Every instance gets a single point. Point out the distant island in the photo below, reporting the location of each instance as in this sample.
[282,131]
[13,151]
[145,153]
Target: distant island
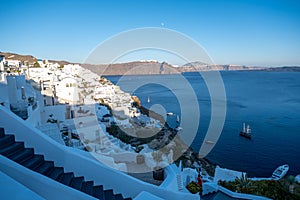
[151,67]
[283,69]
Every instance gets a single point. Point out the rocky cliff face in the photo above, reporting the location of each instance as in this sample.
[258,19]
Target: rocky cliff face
[152,67]
[133,68]
[199,66]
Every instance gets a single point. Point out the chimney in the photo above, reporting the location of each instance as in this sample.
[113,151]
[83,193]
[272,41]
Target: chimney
[23,93]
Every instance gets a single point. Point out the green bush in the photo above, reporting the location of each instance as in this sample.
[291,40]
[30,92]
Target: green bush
[267,188]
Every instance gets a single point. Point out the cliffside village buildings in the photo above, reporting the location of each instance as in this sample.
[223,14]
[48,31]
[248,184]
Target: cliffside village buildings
[74,107]
[68,96]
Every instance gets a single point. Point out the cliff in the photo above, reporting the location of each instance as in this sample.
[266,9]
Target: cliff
[151,67]
[133,68]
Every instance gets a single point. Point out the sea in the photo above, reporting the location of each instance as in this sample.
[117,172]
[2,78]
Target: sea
[268,101]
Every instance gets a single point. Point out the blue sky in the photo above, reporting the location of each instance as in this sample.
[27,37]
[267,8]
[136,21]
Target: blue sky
[249,32]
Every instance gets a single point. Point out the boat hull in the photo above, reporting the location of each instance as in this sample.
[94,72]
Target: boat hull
[280,172]
[246,135]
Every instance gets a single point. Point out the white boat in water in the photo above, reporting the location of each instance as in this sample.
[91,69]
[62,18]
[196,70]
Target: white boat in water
[170,113]
[246,132]
[178,128]
[280,172]
[209,142]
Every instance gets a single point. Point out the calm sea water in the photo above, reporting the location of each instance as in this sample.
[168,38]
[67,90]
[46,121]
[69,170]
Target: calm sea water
[268,101]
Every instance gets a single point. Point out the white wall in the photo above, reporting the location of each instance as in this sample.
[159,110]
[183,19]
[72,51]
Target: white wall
[1,66]
[58,111]
[34,117]
[241,195]
[170,181]
[11,189]
[12,89]
[226,174]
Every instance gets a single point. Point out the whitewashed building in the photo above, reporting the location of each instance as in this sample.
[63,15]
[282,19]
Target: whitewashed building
[67,90]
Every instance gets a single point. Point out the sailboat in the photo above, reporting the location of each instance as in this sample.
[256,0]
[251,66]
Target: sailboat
[246,132]
[148,100]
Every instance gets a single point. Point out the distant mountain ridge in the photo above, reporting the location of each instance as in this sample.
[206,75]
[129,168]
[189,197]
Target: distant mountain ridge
[23,58]
[283,69]
[28,58]
[148,67]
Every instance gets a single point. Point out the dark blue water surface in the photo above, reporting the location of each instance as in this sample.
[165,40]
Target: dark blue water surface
[268,101]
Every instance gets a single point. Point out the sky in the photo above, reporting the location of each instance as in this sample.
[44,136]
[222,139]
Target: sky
[243,32]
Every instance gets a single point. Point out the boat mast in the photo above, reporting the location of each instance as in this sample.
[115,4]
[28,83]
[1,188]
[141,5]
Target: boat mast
[244,127]
[248,129]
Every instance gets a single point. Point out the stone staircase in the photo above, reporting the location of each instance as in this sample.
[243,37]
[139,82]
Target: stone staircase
[26,157]
[210,196]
